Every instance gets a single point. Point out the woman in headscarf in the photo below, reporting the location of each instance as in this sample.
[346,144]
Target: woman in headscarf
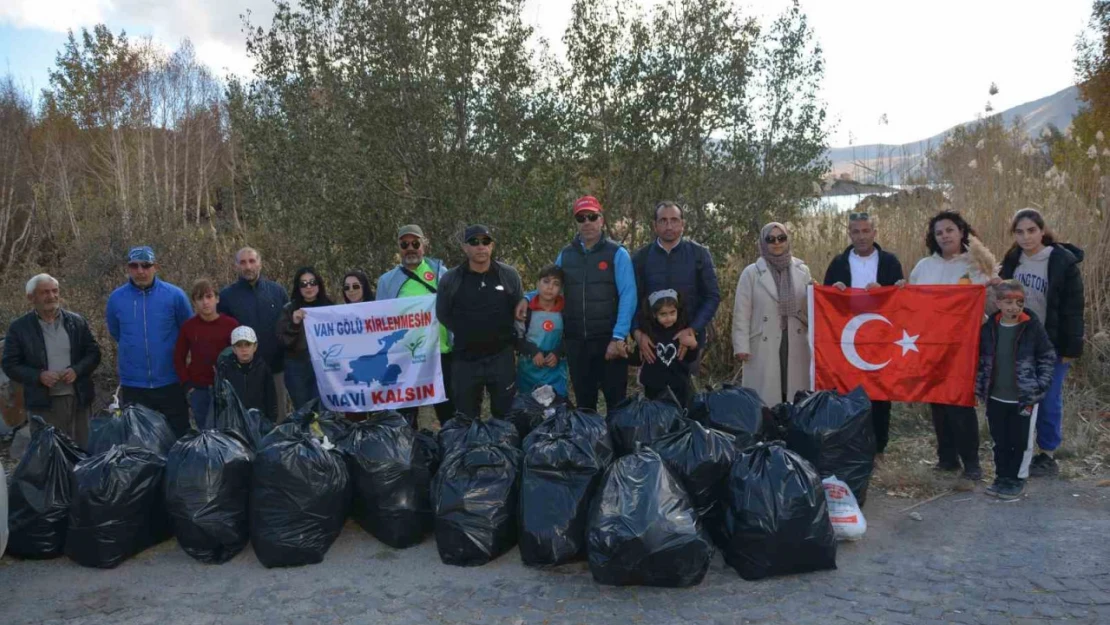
[769,319]
[308,291]
[356,288]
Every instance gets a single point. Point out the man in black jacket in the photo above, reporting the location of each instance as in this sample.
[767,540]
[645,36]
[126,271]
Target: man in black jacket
[864,265]
[256,302]
[52,353]
[476,301]
[674,262]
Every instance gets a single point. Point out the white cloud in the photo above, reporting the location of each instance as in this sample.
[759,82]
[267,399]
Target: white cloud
[53,15]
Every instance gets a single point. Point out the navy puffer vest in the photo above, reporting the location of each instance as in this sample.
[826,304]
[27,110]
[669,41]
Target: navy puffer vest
[590,290]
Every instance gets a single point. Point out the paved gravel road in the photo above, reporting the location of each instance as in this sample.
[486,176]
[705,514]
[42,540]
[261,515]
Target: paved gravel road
[970,559]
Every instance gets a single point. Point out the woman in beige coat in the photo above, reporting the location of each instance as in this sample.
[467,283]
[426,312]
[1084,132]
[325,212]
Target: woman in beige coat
[769,319]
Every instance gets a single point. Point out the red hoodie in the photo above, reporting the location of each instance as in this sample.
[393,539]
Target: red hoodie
[202,341]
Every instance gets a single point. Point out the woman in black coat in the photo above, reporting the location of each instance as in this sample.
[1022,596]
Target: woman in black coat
[1049,271]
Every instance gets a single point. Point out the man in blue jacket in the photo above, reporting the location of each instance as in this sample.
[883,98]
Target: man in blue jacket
[256,302]
[600,300]
[673,262]
[418,275]
[144,317]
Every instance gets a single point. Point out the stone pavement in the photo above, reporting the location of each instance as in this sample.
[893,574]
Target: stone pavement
[971,559]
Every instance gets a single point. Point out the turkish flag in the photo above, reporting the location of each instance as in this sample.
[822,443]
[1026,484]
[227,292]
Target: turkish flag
[912,344]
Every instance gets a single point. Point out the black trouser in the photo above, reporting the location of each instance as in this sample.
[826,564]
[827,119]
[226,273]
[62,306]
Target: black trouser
[494,374]
[444,409]
[683,391]
[957,429]
[880,420]
[168,400]
[1013,435]
[590,371]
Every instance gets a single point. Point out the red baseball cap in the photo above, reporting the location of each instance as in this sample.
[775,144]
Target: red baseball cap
[587,203]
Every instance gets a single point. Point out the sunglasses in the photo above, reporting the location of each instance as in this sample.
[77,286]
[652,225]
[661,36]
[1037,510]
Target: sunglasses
[591,217]
[413,244]
[775,239]
[308,283]
[858,216]
[138,265]
[475,242]
[352,287]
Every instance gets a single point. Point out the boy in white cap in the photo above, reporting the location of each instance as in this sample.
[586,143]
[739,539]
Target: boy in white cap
[249,376]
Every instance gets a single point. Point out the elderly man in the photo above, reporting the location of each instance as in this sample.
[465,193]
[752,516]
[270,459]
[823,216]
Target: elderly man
[419,275]
[864,265]
[144,317]
[256,302]
[674,262]
[476,302]
[600,295]
[52,353]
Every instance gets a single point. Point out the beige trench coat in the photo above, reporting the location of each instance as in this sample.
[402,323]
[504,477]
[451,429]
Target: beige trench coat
[757,330]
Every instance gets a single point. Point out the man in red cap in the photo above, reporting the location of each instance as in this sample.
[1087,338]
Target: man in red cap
[600,296]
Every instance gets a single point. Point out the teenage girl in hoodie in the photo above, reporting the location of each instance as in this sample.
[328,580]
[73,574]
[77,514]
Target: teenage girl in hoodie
[1049,271]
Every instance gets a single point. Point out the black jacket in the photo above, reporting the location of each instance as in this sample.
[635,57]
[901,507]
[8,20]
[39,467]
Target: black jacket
[25,358]
[1064,310]
[291,335]
[253,382]
[840,270]
[449,287]
[258,306]
[1035,360]
[688,269]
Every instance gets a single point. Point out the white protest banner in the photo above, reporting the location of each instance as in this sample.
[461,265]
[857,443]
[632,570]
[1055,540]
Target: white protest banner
[376,355]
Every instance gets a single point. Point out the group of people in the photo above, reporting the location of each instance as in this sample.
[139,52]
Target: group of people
[573,331]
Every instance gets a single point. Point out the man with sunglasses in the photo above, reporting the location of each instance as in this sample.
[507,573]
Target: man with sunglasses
[257,303]
[476,301]
[144,317]
[865,265]
[418,275]
[674,262]
[600,296]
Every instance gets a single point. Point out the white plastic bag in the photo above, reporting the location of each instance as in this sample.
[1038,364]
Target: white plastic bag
[847,519]
[3,511]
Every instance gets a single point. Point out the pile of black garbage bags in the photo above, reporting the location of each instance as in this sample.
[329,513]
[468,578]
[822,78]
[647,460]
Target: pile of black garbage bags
[645,494]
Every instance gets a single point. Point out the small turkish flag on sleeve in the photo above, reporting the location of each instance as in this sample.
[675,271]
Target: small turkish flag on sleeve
[912,344]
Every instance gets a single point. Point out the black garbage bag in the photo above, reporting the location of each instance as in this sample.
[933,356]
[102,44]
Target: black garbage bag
[300,491]
[476,495]
[118,506]
[462,427]
[643,527]
[526,413]
[733,409]
[775,518]
[250,426]
[427,446]
[392,479]
[134,425]
[834,433]
[777,426]
[641,420]
[332,424]
[700,458]
[564,460]
[207,488]
[40,493]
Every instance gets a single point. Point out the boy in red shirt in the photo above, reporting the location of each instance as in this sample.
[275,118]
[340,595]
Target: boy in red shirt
[202,338]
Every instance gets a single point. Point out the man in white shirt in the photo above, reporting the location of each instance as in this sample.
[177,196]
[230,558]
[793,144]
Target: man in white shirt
[865,265]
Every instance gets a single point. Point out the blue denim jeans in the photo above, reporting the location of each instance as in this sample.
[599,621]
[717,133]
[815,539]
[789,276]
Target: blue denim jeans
[200,401]
[1050,416]
[300,381]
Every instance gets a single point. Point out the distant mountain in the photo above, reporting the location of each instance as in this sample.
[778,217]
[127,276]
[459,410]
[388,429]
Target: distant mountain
[895,162]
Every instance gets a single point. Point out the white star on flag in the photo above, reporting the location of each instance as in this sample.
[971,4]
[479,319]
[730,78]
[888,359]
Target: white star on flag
[908,343]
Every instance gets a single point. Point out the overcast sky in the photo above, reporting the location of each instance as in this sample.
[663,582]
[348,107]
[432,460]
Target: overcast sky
[926,66]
